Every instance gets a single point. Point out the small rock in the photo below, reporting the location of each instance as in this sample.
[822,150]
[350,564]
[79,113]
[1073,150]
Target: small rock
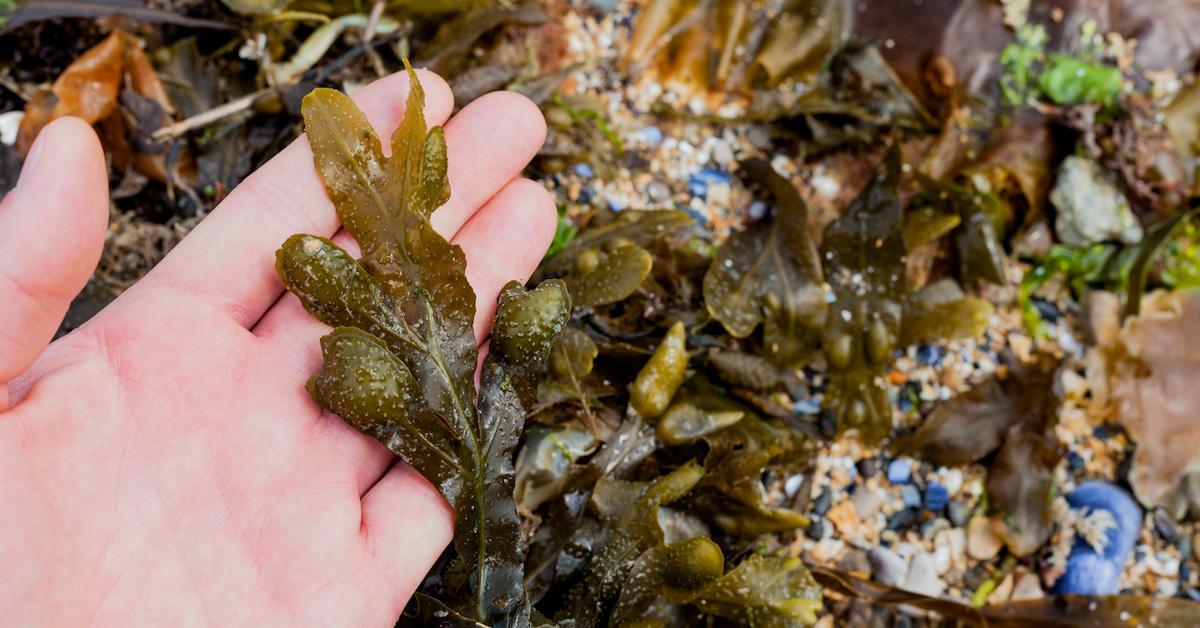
[1046,310]
[792,485]
[958,512]
[899,471]
[1101,316]
[942,558]
[1089,572]
[854,560]
[1196,545]
[821,504]
[910,495]
[1075,462]
[867,502]
[930,528]
[886,567]
[923,577]
[952,479]
[1026,586]
[904,519]
[815,529]
[807,406]
[583,170]
[867,467]
[845,519]
[929,355]
[1165,527]
[759,136]
[983,539]
[1034,241]
[700,181]
[1091,209]
[1000,594]
[936,497]
[722,153]
[952,541]
[651,135]
[826,550]
[1074,386]
[658,191]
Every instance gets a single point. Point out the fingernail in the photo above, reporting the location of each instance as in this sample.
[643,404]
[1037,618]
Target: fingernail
[31,159]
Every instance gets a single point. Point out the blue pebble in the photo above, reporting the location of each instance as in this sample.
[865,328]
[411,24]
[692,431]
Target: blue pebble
[587,194]
[1090,573]
[1075,461]
[910,495]
[700,180]
[583,170]
[807,406]
[936,497]
[929,355]
[899,471]
[615,204]
[652,135]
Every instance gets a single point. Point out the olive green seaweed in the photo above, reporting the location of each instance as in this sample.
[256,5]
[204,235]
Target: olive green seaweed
[400,364]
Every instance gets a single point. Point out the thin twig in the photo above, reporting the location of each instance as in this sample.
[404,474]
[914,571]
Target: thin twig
[316,75]
[205,118]
[372,23]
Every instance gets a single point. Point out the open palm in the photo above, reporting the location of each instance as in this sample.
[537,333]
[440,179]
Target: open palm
[163,464]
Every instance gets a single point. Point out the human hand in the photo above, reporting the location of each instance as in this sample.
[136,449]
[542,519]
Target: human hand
[163,464]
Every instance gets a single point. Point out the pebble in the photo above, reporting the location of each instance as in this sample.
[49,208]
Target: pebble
[923,577]
[1165,527]
[792,485]
[759,136]
[1000,594]
[1026,586]
[1046,310]
[930,528]
[699,182]
[953,539]
[867,502]
[815,529]
[910,495]
[958,513]
[722,153]
[658,191]
[854,560]
[936,497]
[899,471]
[821,504]
[952,479]
[583,170]
[1196,545]
[845,519]
[886,567]
[983,540]
[651,135]
[807,406]
[929,355]
[867,467]
[1089,572]
[904,519]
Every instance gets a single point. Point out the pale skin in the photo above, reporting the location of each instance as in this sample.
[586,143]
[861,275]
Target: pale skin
[163,464]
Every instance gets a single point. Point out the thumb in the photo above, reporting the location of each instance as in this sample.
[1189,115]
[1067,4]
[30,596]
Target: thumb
[51,234]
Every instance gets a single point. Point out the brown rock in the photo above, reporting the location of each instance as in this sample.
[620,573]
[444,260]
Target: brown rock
[845,518]
[983,539]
